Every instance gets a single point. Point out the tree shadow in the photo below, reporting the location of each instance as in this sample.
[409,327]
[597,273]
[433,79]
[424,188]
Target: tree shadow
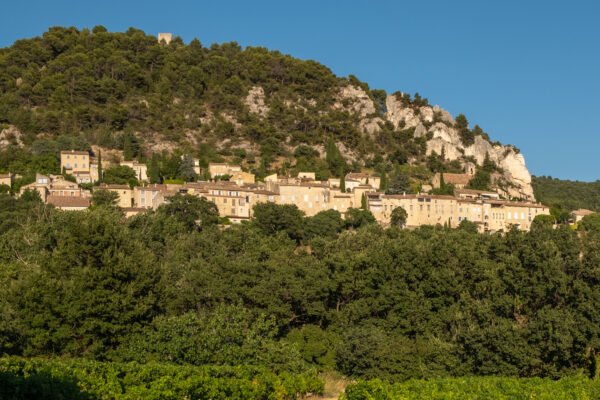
[40,386]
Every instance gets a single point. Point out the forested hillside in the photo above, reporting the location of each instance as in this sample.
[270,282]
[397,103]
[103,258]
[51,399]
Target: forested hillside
[570,195]
[265,110]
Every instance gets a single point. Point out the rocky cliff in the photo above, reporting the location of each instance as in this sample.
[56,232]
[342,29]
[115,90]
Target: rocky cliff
[437,125]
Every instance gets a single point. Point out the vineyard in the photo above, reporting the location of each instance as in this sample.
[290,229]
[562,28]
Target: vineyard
[84,379]
[476,388]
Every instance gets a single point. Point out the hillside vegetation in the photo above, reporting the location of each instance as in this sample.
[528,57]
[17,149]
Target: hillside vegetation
[566,194]
[73,89]
[293,294]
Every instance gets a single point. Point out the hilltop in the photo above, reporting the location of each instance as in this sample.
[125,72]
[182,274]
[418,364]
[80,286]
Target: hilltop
[260,108]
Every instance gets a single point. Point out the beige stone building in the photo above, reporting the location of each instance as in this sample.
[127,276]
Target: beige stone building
[148,197]
[476,194]
[306,175]
[580,213]
[167,37]
[139,168]
[364,179]
[68,203]
[6,179]
[489,215]
[308,197]
[242,178]
[125,193]
[75,161]
[220,169]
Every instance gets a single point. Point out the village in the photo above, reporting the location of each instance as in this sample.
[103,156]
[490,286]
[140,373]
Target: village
[235,192]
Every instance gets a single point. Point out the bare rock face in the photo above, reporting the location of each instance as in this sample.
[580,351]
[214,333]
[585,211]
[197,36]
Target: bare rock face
[256,101]
[512,163]
[10,135]
[396,112]
[355,100]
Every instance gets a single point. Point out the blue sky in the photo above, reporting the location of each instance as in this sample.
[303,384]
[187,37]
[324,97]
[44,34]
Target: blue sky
[526,71]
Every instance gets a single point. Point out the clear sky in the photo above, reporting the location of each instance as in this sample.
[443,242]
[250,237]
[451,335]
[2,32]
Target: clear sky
[526,71]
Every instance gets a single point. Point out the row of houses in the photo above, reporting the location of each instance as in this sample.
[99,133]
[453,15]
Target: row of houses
[235,197]
[486,209]
[84,167]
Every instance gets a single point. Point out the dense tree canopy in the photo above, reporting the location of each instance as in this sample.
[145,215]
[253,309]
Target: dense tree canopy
[368,302]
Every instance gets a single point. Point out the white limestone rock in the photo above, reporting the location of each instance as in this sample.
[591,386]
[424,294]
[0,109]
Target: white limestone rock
[355,100]
[256,101]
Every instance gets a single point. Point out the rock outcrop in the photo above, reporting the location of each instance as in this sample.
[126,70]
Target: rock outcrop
[256,101]
[437,124]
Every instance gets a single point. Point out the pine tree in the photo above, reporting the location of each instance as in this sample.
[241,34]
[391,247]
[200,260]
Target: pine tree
[363,202]
[383,182]
[99,166]
[154,169]
[343,183]
[127,148]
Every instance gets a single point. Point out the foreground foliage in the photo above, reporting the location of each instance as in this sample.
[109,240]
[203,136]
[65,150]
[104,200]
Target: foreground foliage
[85,379]
[482,388]
[282,293]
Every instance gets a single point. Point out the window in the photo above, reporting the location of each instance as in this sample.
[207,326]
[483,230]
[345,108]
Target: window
[411,208]
[83,165]
[224,201]
[420,207]
[508,215]
[68,165]
[233,211]
[83,158]
[68,156]
[282,197]
[306,197]
[293,198]
[522,216]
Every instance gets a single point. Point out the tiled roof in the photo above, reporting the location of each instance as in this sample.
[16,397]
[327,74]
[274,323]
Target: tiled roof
[84,153]
[455,179]
[68,201]
[583,212]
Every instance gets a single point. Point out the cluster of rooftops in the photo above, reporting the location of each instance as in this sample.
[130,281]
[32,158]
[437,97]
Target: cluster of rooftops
[235,197]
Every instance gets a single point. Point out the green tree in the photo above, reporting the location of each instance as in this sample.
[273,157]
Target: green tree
[355,218]
[590,222]
[323,224]
[193,212]
[399,183]
[480,181]
[120,175]
[342,183]
[154,169]
[383,181]
[186,169]
[100,172]
[363,202]
[104,197]
[398,217]
[271,218]
[462,126]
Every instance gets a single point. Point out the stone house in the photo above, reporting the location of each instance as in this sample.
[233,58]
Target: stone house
[580,213]
[73,161]
[364,179]
[125,193]
[6,179]
[141,170]
[220,169]
[68,203]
